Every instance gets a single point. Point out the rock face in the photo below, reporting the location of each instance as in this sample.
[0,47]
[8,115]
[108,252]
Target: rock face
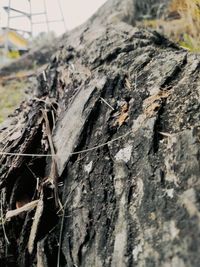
[113,133]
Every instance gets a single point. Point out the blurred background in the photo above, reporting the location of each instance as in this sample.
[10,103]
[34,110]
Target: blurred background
[75,12]
[23,22]
[27,25]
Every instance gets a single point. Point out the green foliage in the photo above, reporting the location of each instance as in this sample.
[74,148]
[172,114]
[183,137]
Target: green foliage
[189,43]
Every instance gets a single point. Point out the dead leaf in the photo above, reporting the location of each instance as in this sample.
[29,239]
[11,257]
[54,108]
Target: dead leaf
[161,95]
[152,108]
[153,103]
[122,118]
[123,115]
[124,108]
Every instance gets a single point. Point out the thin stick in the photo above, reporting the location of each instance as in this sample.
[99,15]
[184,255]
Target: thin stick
[107,103]
[166,134]
[27,207]
[73,153]
[3,227]
[26,155]
[62,223]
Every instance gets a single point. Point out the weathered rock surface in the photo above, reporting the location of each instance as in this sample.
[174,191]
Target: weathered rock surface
[121,107]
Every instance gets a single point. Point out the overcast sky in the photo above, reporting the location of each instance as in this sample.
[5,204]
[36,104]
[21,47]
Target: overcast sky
[75,12]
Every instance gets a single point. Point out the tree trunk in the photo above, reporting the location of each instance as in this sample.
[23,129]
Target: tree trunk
[101,167]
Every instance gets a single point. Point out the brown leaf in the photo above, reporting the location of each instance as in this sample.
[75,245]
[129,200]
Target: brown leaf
[122,118]
[153,103]
[124,108]
[123,115]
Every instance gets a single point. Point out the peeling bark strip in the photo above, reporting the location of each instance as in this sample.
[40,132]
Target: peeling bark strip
[67,134]
[131,202]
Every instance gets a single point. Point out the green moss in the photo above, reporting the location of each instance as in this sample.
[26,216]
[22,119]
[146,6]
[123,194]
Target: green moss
[189,43]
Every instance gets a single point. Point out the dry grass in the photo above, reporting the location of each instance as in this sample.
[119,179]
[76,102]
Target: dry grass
[181,24]
[189,12]
[11,93]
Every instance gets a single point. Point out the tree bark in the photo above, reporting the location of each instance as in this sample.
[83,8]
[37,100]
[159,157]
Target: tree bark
[106,153]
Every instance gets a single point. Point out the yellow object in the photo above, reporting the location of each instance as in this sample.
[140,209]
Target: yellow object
[13,54]
[15,40]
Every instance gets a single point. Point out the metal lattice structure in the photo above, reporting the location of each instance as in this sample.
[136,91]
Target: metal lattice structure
[14,14]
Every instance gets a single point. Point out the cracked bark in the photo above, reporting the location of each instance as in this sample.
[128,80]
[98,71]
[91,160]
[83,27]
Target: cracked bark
[130,198]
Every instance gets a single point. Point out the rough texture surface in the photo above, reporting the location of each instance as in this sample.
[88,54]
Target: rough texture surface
[121,107]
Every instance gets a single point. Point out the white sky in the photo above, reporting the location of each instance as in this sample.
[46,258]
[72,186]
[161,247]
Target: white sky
[75,12]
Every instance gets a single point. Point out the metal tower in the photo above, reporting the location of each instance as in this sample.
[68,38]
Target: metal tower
[14,14]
